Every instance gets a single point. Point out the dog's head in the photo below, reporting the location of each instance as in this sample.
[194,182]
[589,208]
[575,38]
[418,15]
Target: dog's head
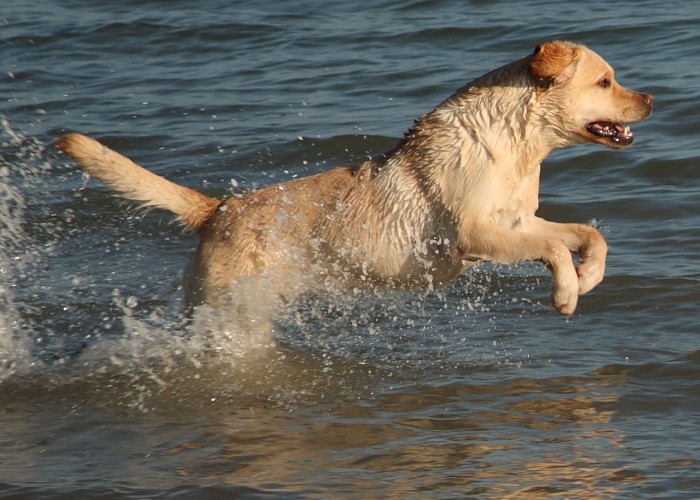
[577,81]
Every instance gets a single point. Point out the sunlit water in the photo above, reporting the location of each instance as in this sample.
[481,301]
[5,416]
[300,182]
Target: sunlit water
[480,389]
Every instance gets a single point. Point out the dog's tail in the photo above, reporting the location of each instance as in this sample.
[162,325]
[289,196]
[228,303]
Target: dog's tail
[138,184]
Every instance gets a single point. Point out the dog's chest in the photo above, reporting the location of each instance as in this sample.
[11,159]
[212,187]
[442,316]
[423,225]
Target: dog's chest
[518,197]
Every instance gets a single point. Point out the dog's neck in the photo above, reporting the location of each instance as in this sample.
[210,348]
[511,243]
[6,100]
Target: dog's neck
[485,133]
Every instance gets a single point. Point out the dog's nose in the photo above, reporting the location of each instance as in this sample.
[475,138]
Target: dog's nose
[648,99]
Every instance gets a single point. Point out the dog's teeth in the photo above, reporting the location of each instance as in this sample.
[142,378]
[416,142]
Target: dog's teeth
[627,130]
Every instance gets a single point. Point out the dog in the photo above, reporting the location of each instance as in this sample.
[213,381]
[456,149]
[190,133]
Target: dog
[461,186]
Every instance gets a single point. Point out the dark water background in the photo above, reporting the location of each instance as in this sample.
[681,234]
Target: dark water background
[477,390]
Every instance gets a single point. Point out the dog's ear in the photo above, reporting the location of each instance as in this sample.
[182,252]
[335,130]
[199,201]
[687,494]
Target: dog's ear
[553,63]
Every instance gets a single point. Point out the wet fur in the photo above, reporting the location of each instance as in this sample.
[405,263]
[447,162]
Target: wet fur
[462,186]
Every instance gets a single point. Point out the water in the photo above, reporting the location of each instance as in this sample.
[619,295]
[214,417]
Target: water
[480,389]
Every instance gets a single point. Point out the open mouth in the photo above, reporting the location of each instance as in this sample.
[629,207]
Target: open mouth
[619,135]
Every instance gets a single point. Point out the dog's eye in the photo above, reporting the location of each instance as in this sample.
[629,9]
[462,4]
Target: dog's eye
[605,83]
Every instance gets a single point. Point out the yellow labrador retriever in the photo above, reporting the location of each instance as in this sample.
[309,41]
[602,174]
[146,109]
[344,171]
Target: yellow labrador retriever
[462,186]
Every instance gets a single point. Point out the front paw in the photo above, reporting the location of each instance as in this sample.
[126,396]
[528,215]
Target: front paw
[590,274]
[565,292]
[565,287]
[591,270]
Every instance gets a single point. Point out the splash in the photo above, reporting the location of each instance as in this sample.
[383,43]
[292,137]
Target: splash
[114,344]
[20,163]
[58,330]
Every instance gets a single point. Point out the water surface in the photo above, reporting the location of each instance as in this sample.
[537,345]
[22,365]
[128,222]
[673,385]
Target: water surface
[480,389]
